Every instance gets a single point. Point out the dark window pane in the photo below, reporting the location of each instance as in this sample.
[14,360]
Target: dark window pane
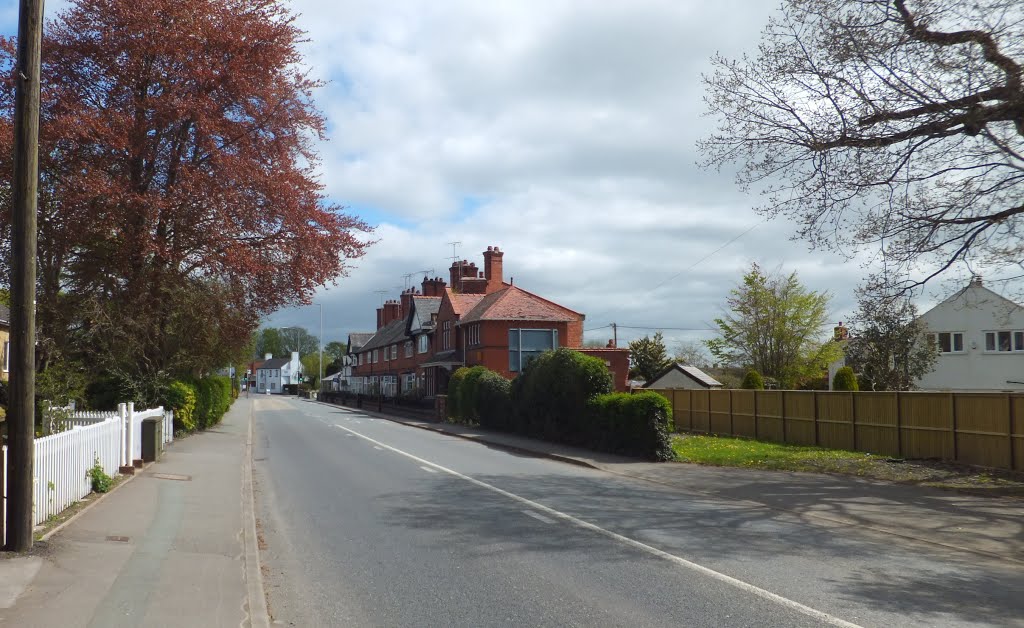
[990,341]
[944,345]
[1018,341]
[958,342]
[1004,341]
[537,340]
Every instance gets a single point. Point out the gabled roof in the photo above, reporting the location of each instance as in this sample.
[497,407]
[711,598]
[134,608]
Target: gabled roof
[358,339]
[462,303]
[275,363]
[692,372]
[975,293]
[423,308]
[388,335]
[515,304]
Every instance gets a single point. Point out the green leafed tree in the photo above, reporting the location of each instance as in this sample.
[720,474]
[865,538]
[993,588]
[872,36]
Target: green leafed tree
[889,348]
[648,357]
[775,325]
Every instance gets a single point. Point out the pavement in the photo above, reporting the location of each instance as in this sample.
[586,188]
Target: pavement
[175,545]
[992,526]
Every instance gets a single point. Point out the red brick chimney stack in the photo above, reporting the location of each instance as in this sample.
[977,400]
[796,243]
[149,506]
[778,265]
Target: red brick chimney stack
[392,311]
[493,268]
[407,301]
[380,317]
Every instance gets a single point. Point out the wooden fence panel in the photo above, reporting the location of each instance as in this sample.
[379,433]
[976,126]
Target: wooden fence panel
[700,412]
[771,424]
[720,406]
[983,428]
[1017,409]
[799,413]
[681,410]
[835,419]
[744,419]
[926,425]
[875,418]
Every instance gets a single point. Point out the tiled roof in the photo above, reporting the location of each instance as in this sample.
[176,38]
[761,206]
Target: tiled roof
[515,304]
[463,303]
[425,306]
[357,340]
[692,372]
[275,363]
[388,335]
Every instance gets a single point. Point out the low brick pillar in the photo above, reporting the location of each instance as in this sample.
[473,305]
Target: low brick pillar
[441,407]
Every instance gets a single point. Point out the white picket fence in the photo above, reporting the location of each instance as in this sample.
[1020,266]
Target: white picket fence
[62,460]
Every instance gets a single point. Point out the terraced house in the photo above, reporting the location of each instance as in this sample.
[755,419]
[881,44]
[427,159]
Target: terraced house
[476,318]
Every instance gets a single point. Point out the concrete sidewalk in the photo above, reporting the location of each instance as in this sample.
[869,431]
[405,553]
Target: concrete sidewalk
[983,525]
[174,546]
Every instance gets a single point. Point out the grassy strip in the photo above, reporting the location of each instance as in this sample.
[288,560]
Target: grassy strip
[740,452]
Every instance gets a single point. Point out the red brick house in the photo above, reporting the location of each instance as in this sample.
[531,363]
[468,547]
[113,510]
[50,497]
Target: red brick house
[477,319]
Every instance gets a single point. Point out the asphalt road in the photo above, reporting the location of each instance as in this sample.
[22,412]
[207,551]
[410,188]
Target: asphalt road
[366,522]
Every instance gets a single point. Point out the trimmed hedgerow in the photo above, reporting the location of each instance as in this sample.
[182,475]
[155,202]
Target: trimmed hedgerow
[494,401]
[550,395]
[468,394]
[633,425]
[454,394]
[181,397]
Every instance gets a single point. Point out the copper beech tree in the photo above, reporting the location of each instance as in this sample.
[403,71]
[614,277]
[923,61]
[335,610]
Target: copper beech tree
[179,201]
[892,125]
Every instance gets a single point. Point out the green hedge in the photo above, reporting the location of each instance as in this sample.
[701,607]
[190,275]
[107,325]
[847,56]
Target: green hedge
[845,379]
[752,381]
[633,425]
[213,398]
[454,394]
[550,395]
[181,397]
[494,401]
[468,401]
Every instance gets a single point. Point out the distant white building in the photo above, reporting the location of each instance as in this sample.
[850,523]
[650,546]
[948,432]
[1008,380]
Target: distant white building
[276,373]
[980,336]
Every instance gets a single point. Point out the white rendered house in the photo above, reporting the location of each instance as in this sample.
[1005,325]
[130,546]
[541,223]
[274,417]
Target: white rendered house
[980,336]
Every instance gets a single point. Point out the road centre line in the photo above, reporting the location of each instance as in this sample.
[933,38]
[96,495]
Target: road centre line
[625,540]
[537,516]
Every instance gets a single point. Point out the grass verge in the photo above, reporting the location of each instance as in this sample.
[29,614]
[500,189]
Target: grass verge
[723,451]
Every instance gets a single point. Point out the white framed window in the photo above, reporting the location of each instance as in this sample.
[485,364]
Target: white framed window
[424,343]
[1004,340]
[373,357]
[446,335]
[473,334]
[394,352]
[408,348]
[526,344]
[948,341]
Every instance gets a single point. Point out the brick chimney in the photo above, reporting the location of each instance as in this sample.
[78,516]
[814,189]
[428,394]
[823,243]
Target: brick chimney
[407,300]
[380,317]
[474,285]
[433,287]
[392,311]
[493,268]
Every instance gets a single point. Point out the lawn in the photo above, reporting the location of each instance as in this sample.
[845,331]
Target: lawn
[740,452]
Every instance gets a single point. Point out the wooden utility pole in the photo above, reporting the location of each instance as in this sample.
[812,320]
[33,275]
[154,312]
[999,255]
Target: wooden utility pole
[615,336]
[21,409]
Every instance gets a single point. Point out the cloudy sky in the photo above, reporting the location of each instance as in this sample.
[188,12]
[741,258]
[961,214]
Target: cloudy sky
[562,131]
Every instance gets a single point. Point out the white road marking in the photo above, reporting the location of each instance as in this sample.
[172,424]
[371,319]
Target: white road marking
[377,448]
[625,540]
[538,517]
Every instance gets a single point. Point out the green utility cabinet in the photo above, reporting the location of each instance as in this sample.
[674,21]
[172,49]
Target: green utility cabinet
[152,438]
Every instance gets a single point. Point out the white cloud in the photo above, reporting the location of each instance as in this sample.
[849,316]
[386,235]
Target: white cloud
[571,126]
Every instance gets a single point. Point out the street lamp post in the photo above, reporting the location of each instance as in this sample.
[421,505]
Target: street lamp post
[320,379]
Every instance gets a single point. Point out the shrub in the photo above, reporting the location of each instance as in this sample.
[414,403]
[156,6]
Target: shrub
[551,393]
[494,401]
[634,425]
[213,398]
[468,394]
[181,397]
[101,482]
[752,381]
[454,383]
[845,379]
